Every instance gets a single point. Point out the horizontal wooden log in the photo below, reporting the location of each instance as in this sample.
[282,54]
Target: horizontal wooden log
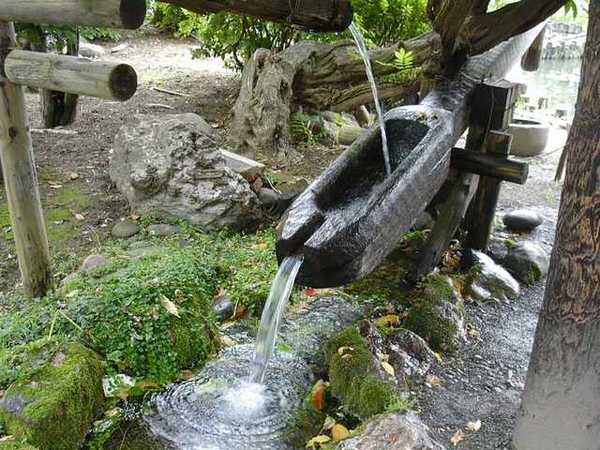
[490,166]
[127,14]
[72,75]
[316,15]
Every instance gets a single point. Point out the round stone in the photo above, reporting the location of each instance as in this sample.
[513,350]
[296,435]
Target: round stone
[522,220]
[125,229]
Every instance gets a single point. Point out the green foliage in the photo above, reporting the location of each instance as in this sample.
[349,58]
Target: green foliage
[306,128]
[55,37]
[122,313]
[236,38]
[353,377]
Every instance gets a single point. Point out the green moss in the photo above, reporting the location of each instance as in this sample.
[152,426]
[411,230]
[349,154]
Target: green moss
[55,406]
[353,378]
[305,424]
[16,444]
[425,318]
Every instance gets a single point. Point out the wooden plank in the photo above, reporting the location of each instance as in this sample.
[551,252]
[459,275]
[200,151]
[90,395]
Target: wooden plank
[316,15]
[127,14]
[108,80]
[490,166]
[20,181]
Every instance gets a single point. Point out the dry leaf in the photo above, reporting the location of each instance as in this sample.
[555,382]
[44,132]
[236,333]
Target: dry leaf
[458,437]
[310,292]
[339,432]
[73,176]
[474,426]
[170,306]
[388,368]
[328,424]
[79,217]
[343,350]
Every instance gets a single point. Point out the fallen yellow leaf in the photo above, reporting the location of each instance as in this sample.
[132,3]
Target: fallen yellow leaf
[169,306]
[316,442]
[388,368]
[474,426]
[339,432]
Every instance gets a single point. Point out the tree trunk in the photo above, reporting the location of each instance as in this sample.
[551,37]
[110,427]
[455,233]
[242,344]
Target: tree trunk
[312,75]
[561,403]
[59,109]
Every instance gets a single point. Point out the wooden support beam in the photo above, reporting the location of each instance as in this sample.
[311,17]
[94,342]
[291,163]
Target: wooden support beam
[489,166]
[72,75]
[452,213]
[483,207]
[316,15]
[20,180]
[127,14]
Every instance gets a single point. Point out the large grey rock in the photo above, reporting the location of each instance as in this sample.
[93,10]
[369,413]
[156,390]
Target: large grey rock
[522,220]
[528,261]
[491,280]
[396,431]
[171,165]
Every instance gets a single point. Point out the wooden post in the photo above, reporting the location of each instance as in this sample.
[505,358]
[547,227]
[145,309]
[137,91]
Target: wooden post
[70,74]
[483,207]
[452,213]
[127,14]
[20,180]
[490,166]
[316,15]
[492,109]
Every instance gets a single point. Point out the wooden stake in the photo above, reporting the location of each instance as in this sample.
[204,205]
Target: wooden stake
[111,81]
[127,14]
[489,165]
[20,180]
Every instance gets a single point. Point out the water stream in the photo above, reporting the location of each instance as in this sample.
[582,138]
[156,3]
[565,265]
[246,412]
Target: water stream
[272,314]
[364,53]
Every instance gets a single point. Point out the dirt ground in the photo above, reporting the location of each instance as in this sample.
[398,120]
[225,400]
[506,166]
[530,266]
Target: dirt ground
[73,165]
[482,382]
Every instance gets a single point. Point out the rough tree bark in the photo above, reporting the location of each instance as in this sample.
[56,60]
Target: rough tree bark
[322,76]
[561,403]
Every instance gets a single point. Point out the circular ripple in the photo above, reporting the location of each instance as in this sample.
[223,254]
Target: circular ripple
[220,410]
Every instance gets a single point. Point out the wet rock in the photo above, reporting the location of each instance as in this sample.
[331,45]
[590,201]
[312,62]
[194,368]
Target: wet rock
[497,249]
[268,197]
[93,262]
[54,403]
[172,166]
[491,280]
[223,308]
[397,431]
[162,230]
[425,221]
[528,261]
[307,331]
[522,220]
[125,229]
[410,355]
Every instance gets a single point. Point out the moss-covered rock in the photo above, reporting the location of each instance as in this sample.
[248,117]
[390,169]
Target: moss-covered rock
[437,313]
[53,403]
[353,376]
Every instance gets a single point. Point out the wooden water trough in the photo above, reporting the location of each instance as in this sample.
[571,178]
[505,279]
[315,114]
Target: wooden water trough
[353,216]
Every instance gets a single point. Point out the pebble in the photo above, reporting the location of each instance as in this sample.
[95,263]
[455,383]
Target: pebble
[162,230]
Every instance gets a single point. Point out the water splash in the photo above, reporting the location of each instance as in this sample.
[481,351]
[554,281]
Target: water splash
[364,53]
[272,314]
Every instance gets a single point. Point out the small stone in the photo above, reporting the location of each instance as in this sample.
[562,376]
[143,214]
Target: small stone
[528,261]
[88,50]
[268,197]
[490,280]
[522,220]
[223,308]
[162,230]
[125,229]
[93,262]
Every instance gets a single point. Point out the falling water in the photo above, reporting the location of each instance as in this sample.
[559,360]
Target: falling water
[364,53]
[271,317]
